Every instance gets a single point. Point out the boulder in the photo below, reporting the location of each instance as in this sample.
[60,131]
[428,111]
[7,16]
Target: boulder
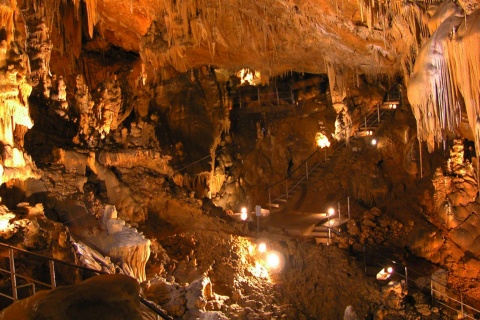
[86,300]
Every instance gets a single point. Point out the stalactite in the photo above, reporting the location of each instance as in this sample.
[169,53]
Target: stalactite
[446,71]
[91,15]
[6,21]
[466,44]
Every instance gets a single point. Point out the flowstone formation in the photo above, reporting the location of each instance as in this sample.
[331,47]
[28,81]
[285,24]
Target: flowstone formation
[14,109]
[165,128]
[100,116]
[123,244]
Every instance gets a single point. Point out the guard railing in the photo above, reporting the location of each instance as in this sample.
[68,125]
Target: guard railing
[258,97]
[32,284]
[441,293]
[281,190]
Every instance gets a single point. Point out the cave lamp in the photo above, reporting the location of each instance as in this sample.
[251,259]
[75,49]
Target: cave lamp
[385,273]
[244,214]
[262,247]
[322,140]
[331,212]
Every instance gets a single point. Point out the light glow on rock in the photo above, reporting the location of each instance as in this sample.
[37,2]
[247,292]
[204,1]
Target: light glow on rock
[3,225]
[5,221]
[249,76]
[259,271]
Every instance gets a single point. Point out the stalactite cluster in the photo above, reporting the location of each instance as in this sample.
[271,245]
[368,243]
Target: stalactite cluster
[445,78]
[251,30]
[7,22]
[440,70]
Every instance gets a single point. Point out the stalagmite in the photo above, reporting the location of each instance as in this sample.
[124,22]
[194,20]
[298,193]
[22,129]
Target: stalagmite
[338,91]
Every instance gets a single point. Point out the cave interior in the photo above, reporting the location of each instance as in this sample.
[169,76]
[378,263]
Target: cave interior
[240,159]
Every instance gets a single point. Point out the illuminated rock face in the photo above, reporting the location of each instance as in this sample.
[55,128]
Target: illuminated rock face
[14,112]
[456,193]
[338,91]
[123,244]
[112,237]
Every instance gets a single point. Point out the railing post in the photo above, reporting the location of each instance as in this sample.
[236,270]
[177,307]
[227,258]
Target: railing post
[461,304]
[258,95]
[53,281]
[269,200]
[365,123]
[306,169]
[293,97]
[13,277]
[329,236]
[365,258]
[378,112]
[278,98]
[258,225]
[431,291]
[240,99]
[286,187]
[421,160]
[348,206]
[339,213]
[406,277]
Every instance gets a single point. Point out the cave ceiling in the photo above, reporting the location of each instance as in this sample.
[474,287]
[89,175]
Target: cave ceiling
[270,36]
[433,43]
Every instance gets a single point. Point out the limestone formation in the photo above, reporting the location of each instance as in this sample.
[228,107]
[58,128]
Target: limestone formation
[440,80]
[85,300]
[14,92]
[229,100]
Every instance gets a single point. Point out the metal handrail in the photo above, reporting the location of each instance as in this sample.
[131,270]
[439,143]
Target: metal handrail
[369,118]
[370,113]
[460,302]
[276,95]
[53,281]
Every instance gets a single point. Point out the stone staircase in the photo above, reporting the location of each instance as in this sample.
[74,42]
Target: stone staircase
[322,231]
[366,125]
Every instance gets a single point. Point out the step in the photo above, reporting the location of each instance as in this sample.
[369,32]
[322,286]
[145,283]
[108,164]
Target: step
[273,205]
[320,229]
[323,241]
[336,222]
[386,104]
[369,128]
[319,234]
[264,212]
